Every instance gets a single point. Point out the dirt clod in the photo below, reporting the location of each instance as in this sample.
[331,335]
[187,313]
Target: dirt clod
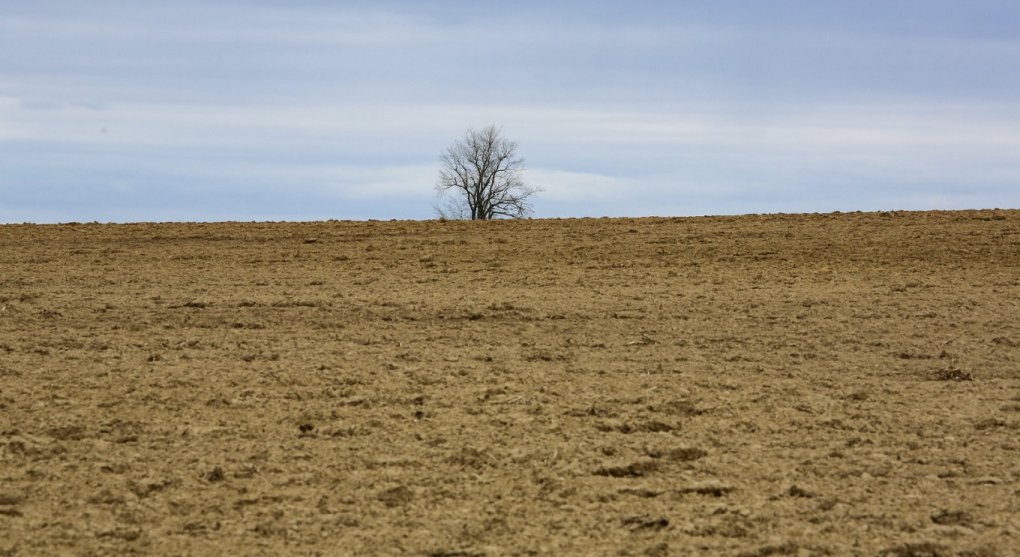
[713,489]
[645,522]
[215,475]
[951,517]
[797,491]
[660,549]
[686,454]
[953,374]
[919,549]
[12,498]
[632,470]
[396,496]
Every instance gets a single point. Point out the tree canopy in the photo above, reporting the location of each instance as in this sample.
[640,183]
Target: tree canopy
[481,178]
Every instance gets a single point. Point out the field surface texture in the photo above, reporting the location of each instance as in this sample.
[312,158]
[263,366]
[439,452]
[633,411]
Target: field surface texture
[844,384]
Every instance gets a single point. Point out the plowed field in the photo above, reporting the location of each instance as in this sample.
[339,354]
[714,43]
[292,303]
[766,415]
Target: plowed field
[844,384]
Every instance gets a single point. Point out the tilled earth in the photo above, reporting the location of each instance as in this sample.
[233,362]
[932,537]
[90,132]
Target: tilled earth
[843,384]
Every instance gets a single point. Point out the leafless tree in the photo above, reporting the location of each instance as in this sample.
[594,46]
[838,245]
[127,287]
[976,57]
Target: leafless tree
[481,178]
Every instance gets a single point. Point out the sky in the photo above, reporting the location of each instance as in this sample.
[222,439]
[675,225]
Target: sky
[210,110]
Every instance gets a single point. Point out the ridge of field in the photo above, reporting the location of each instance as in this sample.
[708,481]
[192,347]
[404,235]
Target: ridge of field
[835,384]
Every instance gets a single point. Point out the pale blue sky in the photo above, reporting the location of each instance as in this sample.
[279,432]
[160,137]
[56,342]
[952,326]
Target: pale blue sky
[260,110]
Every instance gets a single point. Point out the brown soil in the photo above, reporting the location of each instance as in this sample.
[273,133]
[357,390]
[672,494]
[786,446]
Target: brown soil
[843,384]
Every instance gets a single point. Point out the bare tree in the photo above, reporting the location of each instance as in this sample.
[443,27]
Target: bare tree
[481,178]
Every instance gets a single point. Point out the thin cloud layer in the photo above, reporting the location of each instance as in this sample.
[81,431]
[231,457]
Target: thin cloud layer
[264,110]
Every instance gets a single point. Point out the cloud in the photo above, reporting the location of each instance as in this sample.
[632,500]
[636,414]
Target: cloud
[562,187]
[808,129]
[346,25]
[579,154]
[357,182]
[617,108]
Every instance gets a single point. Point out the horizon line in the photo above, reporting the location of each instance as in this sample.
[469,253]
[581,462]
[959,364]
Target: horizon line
[438,220]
